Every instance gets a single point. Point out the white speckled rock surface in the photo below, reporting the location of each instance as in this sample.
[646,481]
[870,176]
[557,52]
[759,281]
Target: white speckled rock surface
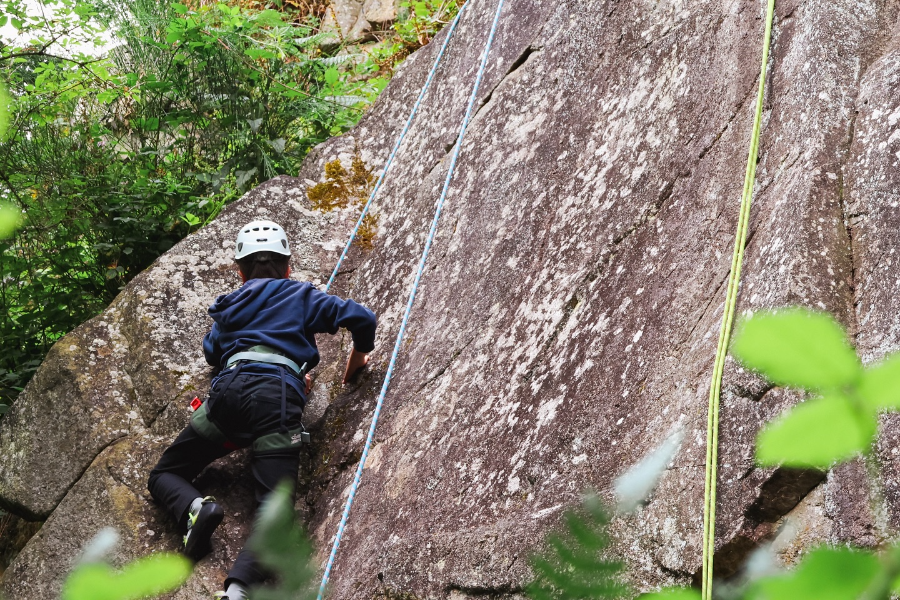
[567,320]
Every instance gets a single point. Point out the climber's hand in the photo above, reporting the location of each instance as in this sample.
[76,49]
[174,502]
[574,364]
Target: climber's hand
[308,381]
[355,364]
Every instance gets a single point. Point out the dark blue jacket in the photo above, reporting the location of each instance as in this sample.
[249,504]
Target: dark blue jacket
[284,315]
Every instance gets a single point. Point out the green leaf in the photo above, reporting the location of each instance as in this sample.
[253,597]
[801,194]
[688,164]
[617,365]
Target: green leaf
[270,18]
[672,594]
[880,385]
[153,575]
[282,546]
[331,76]
[10,219]
[816,434]
[179,8]
[4,408]
[824,574]
[260,53]
[107,96]
[799,348]
[143,578]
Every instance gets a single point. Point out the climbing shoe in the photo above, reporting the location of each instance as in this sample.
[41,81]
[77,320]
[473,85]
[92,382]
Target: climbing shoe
[235,591]
[201,523]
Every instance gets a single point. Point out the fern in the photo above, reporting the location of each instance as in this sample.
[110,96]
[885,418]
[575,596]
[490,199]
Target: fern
[283,547]
[573,564]
[334,61]
[345,100]
[312,40]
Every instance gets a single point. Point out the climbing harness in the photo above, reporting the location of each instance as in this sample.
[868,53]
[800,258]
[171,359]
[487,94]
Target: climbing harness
[264,354]
[712,425]
[284,437]
[412,294]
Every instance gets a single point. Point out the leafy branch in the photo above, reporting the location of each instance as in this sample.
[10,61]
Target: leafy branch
[809,351]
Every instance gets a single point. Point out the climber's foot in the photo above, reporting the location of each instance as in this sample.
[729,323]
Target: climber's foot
[235,591]
[201,525]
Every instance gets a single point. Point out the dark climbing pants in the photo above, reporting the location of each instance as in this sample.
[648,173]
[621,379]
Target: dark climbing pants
[250,408]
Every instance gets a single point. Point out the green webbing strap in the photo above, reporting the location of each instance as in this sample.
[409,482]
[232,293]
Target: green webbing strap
[712,425]
[279,441]
[264,354]
[206,428]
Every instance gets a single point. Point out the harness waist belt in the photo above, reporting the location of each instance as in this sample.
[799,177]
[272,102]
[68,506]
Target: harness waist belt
[263,354]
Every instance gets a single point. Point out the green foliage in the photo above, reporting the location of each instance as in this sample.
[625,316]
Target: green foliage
[802,349]
[4,111]
[114,152]
[143,578]
[10,219]
[10,216]
[809,350]
[817,433]
[823,574]
[797,348]
[112,156]
[282,546]
[574,564]
[94,579]
[420,20]
[417,24]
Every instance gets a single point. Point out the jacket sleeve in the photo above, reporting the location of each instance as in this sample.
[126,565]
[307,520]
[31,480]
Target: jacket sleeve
[326,313]
[211,348]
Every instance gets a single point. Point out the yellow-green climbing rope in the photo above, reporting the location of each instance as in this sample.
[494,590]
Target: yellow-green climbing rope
[712,425]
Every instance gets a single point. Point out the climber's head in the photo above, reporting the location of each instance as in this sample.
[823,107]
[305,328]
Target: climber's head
[262,251]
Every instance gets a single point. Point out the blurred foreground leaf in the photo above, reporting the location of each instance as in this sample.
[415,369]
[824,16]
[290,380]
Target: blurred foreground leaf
[10,219]
[636,484]
[143,578]
[824,574]
[880,385]
[574,565]
[281,545]
[816,433]
[798,348]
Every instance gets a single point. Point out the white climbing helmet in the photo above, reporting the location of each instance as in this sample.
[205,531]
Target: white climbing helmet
[261,236]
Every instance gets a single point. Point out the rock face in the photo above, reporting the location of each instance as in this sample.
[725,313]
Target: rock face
[566,322]
[355,20]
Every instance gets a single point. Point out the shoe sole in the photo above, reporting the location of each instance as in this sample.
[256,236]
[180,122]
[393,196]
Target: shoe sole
[198,545]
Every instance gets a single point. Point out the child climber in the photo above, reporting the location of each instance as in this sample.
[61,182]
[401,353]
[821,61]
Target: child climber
[263,340]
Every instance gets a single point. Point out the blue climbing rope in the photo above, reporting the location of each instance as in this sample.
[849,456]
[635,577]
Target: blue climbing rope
[412,296]
[397,144]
